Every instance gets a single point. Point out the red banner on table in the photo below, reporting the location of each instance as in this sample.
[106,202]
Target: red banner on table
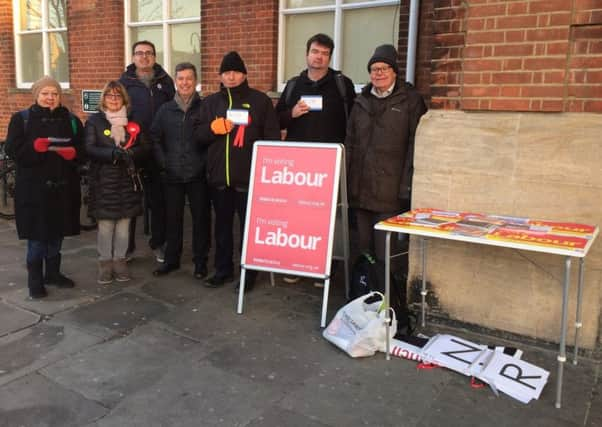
[291,207]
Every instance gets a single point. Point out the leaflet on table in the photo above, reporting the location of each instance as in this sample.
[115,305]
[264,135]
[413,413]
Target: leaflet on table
[497,227]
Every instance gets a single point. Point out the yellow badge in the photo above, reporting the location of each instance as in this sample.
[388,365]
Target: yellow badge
[107,132]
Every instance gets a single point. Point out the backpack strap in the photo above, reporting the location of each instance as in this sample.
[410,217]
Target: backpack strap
[339,79]
[288,91]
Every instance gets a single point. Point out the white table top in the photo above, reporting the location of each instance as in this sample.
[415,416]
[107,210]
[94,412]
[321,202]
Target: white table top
[552,237]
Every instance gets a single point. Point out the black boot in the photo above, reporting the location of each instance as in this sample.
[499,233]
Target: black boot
[34,280]
[54,277]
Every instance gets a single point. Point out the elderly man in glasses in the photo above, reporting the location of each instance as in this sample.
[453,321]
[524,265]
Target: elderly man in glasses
[380,148]
[148,86]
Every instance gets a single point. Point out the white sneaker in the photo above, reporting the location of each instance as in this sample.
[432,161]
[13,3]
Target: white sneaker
[291,279]
[160,253]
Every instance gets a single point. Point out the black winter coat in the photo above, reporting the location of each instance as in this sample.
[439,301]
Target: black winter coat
[327,125]
[227,165]
[177,149]
[145,101]
[113,194]
[380,148]
[47,194]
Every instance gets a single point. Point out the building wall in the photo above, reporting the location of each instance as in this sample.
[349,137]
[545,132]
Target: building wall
[537,55]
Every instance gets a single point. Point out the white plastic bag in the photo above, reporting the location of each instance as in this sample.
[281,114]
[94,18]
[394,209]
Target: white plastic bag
[358,328]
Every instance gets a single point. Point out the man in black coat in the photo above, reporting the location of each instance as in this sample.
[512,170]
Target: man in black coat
[182,161]
[231,120]
[148,86]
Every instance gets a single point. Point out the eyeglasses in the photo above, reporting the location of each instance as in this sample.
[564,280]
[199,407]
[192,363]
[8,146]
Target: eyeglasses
[379,70]
[113,96]
[144,53]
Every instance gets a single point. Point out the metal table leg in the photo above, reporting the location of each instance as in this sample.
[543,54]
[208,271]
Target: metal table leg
[423,292]
[562,350]
[578,323]
[387,290]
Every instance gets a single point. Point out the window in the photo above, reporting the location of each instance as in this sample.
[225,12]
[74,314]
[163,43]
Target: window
[41,46]
[356,26]
[172,25]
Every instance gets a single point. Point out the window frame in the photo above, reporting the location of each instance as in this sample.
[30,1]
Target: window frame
[165,23]
[338,7]
[45,31]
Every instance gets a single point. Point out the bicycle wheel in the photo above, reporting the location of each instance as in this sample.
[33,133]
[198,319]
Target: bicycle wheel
[7,190]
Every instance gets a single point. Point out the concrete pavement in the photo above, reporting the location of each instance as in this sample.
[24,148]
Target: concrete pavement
[170,352]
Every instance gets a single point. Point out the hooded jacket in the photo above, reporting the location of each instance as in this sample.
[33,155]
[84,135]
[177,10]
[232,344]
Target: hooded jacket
[47,193]
[380,148]
[228,163]
[327,125]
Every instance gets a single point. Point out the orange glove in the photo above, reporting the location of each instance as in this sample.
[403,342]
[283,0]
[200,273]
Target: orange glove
[221,126]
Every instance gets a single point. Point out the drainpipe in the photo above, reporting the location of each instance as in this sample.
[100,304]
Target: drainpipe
[412,40]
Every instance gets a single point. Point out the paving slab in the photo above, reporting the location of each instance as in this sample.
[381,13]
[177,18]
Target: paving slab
[281,417]
[110,372]
[192,395]
[13,319]
[114,315]
[30,349]
[35,401]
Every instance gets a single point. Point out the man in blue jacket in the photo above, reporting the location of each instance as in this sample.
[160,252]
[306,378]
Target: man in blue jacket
[148,86]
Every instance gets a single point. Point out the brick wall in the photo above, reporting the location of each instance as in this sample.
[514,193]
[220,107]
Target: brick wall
[249,27]
[538,55]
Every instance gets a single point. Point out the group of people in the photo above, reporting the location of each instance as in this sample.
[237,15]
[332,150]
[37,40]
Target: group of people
[158,139]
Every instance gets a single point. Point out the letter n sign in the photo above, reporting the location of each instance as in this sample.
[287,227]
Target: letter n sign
[291,208]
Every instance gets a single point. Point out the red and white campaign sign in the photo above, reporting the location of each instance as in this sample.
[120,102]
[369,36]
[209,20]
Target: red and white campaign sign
[291,207]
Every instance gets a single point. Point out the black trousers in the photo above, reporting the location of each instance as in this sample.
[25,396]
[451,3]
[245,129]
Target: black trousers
[373,241]
[227,202]
[155,198]
[198,198]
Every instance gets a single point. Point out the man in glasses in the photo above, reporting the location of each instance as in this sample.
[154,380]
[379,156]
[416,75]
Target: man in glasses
[380,148]
[148,86]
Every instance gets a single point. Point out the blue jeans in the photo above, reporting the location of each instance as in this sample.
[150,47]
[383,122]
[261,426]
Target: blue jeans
[40,249]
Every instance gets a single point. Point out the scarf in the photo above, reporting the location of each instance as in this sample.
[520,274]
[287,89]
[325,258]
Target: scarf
[118,120]
[181,103]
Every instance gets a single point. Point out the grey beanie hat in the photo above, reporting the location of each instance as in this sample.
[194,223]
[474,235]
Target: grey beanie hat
[384,53]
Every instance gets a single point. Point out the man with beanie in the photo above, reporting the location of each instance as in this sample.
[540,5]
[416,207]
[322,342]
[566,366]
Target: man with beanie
[149,86]
[47,198]
[315,105]
[380,148]
[231,120]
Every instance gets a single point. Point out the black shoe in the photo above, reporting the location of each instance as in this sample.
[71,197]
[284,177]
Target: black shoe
[38,293]
[200,271]
[53,276]
[218,280]
[35,279]
[165,268]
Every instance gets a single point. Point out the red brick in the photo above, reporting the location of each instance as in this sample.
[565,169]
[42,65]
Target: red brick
[469,104]
[548,34]
[487,10]
[511,78]
[484,37]
[557,48]
[551,105]
[594,77]
[512,64]
[553,77]
[591,106]
[581,18]
[510,104]
[585,62]
[587,32]
[524,21]
[472,78]
[513,50]
[544,63]
[542,91]
[510,91]
[549,6]
[515,36]
[589,91]
[517,8]
[480,91]
[483,65]
[588,4]
[577,76]
[475,24]
[558,19]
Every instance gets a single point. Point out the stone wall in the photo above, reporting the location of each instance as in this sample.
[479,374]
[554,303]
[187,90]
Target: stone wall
[538,165]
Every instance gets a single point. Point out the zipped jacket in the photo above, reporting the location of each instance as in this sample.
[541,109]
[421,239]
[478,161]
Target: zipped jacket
[178,152]
[380,148]
[229,156]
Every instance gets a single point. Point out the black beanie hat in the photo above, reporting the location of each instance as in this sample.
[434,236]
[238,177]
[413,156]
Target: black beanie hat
[232,62]
[384,53]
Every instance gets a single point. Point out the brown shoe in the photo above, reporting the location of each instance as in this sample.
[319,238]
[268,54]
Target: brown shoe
[105,272]
[122,273]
